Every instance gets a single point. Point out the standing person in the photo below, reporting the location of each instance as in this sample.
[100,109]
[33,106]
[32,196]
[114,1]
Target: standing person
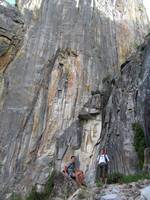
[103,161]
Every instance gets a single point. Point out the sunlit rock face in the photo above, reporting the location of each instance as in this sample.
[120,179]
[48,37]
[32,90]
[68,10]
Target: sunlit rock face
[52,100]
[147,6]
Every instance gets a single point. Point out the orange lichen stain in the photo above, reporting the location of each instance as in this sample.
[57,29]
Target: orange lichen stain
[71,80]
[78,64]
[52,126]
[48,136]
[55,76]
[124,36]
[79,68]
[35,125]
[87,88]
[20,54]
[120,6]
[5,60]
[75,77]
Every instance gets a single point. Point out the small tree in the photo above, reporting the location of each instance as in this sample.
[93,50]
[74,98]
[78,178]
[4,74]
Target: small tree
[139,142]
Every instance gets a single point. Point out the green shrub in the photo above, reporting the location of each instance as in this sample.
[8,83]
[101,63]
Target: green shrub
[135,177]
[34,195]
[49,185]
[99,183]
[120,178]
[115,178]
[15,196]
[136,45]
[139,142]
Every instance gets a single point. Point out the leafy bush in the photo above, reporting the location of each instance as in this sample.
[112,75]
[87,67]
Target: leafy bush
[139,142]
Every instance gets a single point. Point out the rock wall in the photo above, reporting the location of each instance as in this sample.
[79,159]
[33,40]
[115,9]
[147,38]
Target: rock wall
[51,102]
[128,104]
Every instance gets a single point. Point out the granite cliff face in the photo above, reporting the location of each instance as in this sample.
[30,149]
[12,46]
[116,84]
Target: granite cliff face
[55,61]
[128,104]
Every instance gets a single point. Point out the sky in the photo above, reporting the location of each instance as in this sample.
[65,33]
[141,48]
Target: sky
[147,5]
[11,1]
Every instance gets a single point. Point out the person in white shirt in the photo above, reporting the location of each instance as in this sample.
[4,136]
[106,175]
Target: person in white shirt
[102,161]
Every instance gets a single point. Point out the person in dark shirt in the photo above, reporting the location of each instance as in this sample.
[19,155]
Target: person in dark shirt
[71,167]
[76,174]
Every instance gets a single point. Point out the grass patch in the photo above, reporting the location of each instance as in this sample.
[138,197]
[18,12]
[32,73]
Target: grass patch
[120,178]
[34,195]
[135,177]
[135,45]
[115,178]
[139,142]
[99,183]
[15,196]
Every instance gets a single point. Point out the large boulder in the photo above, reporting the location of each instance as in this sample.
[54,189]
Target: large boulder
[64,186]
[83,194]
[111,197]
[145,193]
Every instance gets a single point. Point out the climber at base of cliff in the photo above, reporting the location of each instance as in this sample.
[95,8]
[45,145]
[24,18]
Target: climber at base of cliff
[102,161]
[76,174]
